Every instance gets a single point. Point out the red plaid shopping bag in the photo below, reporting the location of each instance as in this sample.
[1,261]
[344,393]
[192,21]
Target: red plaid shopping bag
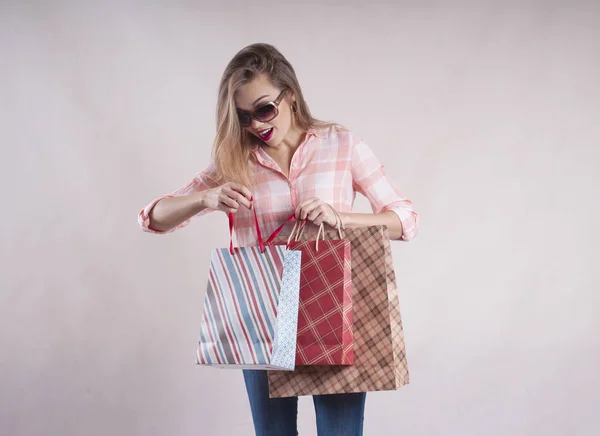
[325,334]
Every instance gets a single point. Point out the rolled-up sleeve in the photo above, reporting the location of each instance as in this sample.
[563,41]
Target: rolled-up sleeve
[370,179]
[201,182]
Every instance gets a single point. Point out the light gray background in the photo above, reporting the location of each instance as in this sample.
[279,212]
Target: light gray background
[486,114]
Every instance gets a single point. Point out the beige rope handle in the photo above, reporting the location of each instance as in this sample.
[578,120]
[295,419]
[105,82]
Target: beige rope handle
[294,230]
[297,231]
[300,231]
[338,224]
[338,221]
[319,234]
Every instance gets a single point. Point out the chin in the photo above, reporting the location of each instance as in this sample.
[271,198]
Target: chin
[272,142]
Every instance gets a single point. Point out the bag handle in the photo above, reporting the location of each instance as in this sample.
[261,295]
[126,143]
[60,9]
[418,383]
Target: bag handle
[258,232]
[279,229]
[338,222]
[321,233]
[297,231]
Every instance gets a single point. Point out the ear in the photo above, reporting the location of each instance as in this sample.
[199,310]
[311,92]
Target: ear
[290,97]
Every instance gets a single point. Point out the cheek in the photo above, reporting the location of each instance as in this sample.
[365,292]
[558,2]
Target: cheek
[282,122]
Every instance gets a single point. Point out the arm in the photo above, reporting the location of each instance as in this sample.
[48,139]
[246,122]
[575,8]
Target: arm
[200,196]
[390,207]
[170,213]
[317,212]
[388,219]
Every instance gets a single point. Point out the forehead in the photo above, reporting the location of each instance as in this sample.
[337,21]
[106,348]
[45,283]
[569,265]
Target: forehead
[259,89]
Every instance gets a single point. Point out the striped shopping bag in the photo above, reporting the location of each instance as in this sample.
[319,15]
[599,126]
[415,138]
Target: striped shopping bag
[250,316]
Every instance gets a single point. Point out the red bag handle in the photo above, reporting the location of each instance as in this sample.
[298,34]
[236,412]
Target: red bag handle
[258,232]
[279,229]
[261,243]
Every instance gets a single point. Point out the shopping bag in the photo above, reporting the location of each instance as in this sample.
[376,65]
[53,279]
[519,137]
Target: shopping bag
[379,351]
[250,315]
[325,312]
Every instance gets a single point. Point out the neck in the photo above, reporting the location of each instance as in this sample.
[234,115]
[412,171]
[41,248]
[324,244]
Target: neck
[293,139]
[283,153]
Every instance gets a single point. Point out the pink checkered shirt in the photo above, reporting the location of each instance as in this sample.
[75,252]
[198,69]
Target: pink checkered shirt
[332,164]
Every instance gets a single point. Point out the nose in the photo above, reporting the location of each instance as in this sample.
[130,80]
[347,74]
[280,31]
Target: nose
[256,125]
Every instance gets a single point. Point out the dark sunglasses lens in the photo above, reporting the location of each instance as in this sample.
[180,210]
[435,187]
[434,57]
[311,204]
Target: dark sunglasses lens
[245,120]
[265,113]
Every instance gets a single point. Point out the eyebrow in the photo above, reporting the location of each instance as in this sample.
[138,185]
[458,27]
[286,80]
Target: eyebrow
[253,104]
[259,99]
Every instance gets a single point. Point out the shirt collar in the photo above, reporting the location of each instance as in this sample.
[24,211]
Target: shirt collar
[257,149]
[316,132]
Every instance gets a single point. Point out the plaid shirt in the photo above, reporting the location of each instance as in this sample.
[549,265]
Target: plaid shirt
[332,164]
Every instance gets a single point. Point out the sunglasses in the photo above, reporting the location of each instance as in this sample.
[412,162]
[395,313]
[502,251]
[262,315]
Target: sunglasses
[263,114]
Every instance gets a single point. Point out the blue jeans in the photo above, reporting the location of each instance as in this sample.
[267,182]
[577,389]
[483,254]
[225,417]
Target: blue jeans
[337,415]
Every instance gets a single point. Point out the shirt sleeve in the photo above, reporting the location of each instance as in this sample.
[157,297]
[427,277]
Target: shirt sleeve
[370,179]
[202,181]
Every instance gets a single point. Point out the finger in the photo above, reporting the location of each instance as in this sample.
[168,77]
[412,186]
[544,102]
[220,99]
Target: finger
[309,201]
[305,208]
[306,211]
[318,219]
[236,196]
[329,216]
[242,190]
[241,199]
[305,203]
[323,214]
[316,212]
[229,202]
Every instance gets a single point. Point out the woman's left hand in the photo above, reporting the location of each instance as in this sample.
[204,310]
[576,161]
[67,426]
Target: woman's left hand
[316,211]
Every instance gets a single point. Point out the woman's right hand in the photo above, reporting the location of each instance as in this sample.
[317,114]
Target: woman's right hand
[228,198]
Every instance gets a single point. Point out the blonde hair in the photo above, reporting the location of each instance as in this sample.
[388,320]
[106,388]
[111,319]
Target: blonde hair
[232,147]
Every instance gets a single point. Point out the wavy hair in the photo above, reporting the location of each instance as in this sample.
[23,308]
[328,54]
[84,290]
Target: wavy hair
[233,145]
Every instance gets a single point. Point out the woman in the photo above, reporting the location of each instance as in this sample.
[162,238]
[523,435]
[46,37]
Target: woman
[272,155]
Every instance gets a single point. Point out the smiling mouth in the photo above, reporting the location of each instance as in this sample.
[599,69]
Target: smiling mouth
[266,134]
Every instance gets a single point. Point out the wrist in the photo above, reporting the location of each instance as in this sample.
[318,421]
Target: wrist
[341,218]
[344,219]
[199,200]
